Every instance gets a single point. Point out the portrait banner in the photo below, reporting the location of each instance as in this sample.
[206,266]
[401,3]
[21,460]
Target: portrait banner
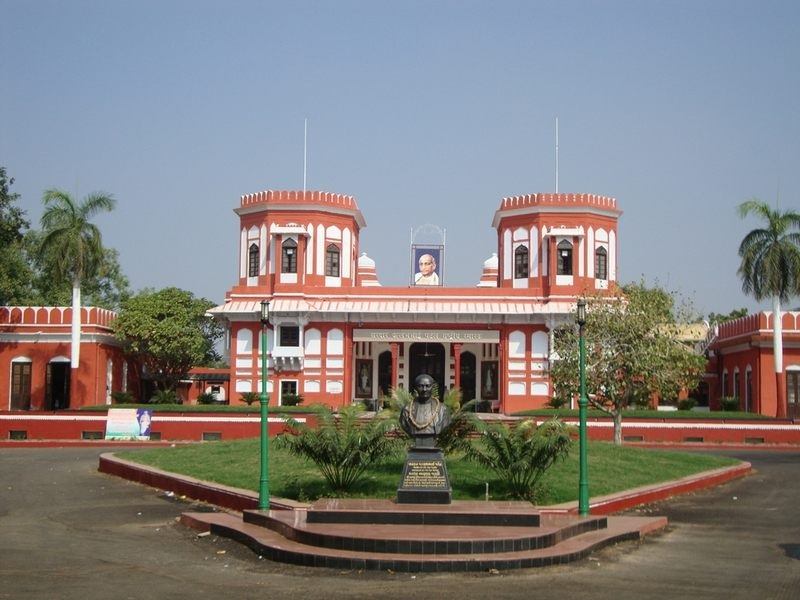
[427,265]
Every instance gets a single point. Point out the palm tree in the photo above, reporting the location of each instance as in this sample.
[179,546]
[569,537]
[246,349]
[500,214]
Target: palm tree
[771,269]
[73,246]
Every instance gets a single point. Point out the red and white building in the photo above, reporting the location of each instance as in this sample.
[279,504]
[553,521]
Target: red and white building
[35,371]
[741,364]
[335,334]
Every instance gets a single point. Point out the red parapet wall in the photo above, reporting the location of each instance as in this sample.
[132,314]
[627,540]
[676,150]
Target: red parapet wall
[82,425]
[79,425]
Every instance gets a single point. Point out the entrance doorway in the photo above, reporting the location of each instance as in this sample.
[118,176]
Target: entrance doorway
[467,376]
[385,373]
[427,358]
[793,394]
[56,395]
[20,385]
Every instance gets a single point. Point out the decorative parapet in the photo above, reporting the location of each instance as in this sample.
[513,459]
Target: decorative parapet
[542,199]
[22,316]
[299,197]
[758,322]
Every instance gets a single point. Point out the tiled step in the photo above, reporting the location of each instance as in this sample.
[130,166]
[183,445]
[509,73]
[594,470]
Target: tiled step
[274,546]
[386,512]
[418,538]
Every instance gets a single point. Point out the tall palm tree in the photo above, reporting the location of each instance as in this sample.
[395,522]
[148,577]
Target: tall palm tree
[771,269]
[73,246]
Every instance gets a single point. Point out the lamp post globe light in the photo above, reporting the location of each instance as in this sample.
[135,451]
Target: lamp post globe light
[583,401]
[263,484]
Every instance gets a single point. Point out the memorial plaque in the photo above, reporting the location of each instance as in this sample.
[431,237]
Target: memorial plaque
[425,479]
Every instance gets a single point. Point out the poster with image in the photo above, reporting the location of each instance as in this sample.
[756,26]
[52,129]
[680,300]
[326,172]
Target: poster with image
[427,266]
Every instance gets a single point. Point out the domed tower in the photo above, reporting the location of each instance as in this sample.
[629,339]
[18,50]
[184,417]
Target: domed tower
[293,240]
[557,244]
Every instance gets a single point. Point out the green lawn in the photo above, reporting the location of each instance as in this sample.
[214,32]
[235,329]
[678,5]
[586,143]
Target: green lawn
[236,463]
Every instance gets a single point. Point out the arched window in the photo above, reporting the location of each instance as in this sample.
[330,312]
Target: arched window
[521,262]
[289,256]
[252,261]
[564,258]
[601,263]
[332,261]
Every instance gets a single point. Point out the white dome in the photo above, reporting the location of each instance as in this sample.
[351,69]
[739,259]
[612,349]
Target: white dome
[365,261]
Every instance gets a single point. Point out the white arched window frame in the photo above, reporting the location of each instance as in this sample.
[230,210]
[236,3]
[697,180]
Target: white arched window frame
[540,341]
[252,254]
[516,344]
[335,342]
[313,341]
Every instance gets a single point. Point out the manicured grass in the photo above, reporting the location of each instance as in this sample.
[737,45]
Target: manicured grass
[644,414]
[611,469]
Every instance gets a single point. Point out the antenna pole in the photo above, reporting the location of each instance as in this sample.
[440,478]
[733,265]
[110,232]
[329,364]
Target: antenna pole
[556,155]
[305,152]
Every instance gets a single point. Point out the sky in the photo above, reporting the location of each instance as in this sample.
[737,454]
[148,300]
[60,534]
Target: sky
[426,112]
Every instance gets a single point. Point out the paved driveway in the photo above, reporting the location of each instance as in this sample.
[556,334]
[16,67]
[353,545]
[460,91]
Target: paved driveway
[67,531]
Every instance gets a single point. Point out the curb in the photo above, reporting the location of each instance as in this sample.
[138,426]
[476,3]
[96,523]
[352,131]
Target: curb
[239,499]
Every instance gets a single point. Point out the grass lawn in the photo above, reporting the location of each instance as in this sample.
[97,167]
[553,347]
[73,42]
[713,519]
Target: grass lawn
[611,469]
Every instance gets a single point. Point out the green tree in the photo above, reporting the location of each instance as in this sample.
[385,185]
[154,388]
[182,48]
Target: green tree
[15,274]
[108,287]
[633,352]
[73,245]
[168,332]
[717,318]
[770,268]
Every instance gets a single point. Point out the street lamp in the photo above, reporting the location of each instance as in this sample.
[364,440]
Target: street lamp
[263,484]
[583,401]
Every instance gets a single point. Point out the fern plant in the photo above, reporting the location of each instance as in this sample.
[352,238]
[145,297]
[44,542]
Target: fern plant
[520,456]
[342,446]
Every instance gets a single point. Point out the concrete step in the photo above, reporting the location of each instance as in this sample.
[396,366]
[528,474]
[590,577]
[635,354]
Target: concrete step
[274,546]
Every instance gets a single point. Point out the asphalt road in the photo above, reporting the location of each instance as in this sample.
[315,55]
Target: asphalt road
[69,532]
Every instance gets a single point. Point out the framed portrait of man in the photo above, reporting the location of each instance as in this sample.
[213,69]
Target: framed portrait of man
[363,378]
[489,380]
[427,266]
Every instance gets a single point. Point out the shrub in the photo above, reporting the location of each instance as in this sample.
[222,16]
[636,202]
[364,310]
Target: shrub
[463,425]
[729,403]
[165,397]
[520,456]
[206,398]
[122,397]
[291,399]
[687,404]
[342,446]
[558,402]
[250,397]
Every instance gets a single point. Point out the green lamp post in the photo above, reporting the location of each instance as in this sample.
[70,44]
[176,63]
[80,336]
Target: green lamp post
[263,484]
[583,401]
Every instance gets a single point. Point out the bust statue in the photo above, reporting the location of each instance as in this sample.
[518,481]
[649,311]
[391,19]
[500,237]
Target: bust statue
[425,415]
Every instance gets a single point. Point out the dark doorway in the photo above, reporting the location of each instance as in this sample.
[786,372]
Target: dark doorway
[385,373]
[20,386]
[427,358]
[467,376]
[793,394]
[57,386]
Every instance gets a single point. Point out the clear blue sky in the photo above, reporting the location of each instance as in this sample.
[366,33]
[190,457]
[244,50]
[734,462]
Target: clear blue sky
[426,112]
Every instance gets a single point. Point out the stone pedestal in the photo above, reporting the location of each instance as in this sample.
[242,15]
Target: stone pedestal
[425,479]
